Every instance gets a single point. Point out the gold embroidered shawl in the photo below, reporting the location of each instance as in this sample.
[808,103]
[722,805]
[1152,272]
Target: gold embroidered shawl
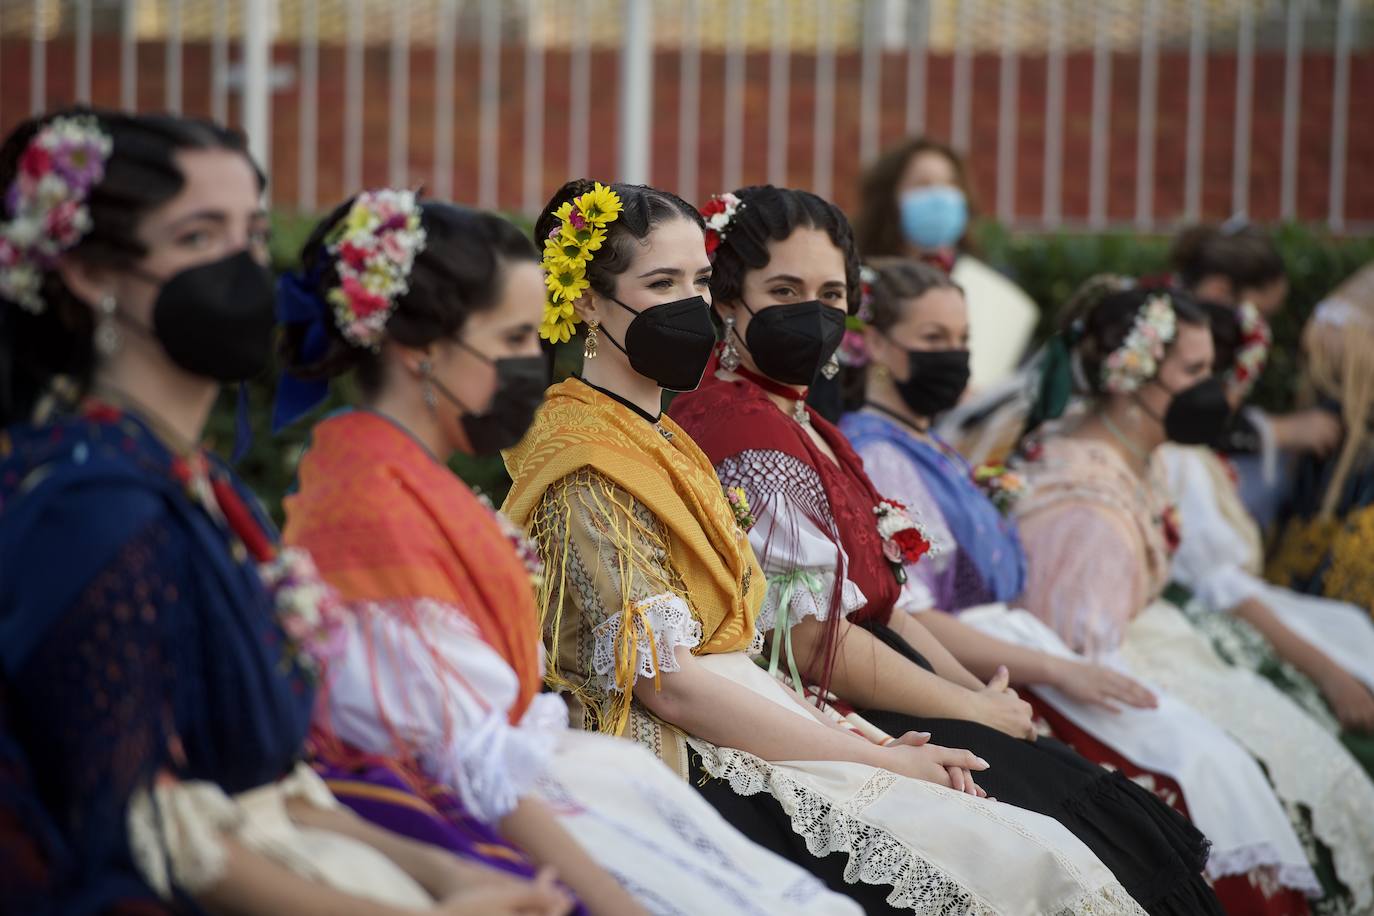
[580,427]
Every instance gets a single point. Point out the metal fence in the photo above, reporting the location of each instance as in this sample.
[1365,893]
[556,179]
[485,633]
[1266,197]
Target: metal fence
[1074,114]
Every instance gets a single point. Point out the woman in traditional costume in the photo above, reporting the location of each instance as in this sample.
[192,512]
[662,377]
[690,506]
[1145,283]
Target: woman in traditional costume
[157,647]
[783,273]
[1099,533]
[652,592]
[435,679]
[907,365]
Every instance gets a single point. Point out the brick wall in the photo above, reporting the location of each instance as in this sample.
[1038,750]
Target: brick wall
[1313,157]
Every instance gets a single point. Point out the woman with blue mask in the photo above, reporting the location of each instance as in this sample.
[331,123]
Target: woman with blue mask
[915,203]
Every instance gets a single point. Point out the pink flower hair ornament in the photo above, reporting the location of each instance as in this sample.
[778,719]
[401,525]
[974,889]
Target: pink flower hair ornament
[46,212]
[374,248]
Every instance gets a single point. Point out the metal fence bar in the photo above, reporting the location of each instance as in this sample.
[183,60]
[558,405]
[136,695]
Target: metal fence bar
[446,37]
[353,100]
[398,104]
[580,87]
[82,28]
[733,135]
[1008,100]
[779,61]
[219,62]
[689,100]
[1052,203]
[307,143]
[636,87]
[128,56]
[918,36]
[1340,114]
[489,120]
[823,123]
[1197,90]
[1245,90]
[1101,137]
[1145,131]
[172,61]
[257,95]
[1292,96]
[533,190]
[870,75]
[38,62]
[961,100]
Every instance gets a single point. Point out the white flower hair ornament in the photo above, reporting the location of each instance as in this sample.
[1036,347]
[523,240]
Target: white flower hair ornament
[45,207]
[1138,358]
[374,247]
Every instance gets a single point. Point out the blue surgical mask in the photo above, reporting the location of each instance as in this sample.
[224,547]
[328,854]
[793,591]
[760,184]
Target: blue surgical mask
[934,217]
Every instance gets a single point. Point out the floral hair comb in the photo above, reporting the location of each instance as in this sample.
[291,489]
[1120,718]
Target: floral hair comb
[719,212]
[1137,359]
[568,250]
[46,203]
[374,248]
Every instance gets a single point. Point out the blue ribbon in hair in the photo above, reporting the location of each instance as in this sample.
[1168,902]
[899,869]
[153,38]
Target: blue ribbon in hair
[300,304]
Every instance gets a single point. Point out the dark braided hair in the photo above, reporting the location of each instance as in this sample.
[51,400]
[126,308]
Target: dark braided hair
[141,174]
[643,209]
[769,213]
[460,272]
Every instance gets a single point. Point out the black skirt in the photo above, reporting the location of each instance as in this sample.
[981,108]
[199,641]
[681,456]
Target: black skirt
[760,818]
[1155,852]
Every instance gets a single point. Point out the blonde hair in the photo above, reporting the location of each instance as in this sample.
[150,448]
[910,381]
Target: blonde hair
[1339,345]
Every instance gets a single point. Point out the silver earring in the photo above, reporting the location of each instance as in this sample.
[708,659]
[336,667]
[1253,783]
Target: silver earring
[729,356]
[831,367]
[106,330]
[430,396]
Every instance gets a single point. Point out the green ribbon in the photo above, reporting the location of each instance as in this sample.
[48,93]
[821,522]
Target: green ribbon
[1056,382]
[787,583]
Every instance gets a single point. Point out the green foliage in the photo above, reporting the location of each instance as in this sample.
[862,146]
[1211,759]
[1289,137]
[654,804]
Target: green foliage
[1048,267]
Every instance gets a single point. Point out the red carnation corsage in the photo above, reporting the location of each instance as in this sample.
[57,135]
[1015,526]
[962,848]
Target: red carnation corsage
[903,540]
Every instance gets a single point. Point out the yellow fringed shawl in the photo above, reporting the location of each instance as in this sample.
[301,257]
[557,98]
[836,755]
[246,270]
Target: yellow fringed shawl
[578,427]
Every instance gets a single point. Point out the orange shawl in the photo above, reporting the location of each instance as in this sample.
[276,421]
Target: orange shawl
[386,522]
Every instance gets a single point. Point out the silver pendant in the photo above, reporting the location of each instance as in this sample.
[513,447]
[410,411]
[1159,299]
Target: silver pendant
[799,412]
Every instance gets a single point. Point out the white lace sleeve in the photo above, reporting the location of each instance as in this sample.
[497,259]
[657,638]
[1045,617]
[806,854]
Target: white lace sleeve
[667,623]
[793,536]
[1214,559]
[423,673]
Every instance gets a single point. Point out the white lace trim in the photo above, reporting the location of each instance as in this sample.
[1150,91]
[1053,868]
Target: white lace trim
[807,602]
[672,624]
[1305,764]
[1246,859]
[875,856]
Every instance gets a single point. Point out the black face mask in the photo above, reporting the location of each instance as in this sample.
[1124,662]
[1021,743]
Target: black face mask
[789,343]
[216,320]
[670,343]
[520,384]
[1198,415]
[935,381]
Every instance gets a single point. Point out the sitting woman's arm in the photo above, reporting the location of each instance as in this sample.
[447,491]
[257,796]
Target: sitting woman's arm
[1350,700]
[984,654]
[702,703]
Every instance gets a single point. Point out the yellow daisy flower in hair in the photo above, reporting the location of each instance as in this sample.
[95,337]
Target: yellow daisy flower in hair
[566,279]
[573,244]
[555,329]
[599,206]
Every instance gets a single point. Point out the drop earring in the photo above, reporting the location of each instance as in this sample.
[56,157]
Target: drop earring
[589,343]
[831,367]
[430,396]
[106,330]
[729,356]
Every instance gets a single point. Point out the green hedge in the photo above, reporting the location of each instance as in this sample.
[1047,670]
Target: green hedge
[1048,267]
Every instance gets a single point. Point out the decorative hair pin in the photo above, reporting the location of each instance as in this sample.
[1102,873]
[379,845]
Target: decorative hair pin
[1137,359]
[46,203]
[568,250]
[1253,353]
[719,212]
[374,248]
